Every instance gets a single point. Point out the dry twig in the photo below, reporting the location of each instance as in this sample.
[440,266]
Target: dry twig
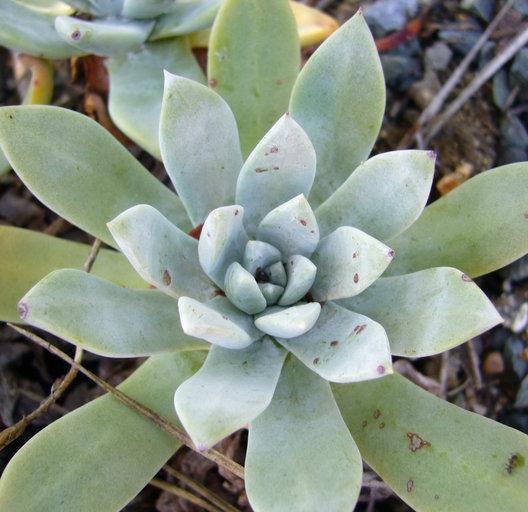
[182,493]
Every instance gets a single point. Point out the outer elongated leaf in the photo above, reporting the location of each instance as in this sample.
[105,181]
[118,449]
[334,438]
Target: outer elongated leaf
[104,318]
[281,167]
[76,168]
[303,448]
[186,17]
[104,38]
[478,227]
[383,196]
[347,262]
[138,9]
[339,99]
[136,110]
[436,456]
[291,228]
[231,389]
[162,254]
[100,456]
[253,62]
[343,346]
[25,30]
[200,147]
[427,312]
[27,256]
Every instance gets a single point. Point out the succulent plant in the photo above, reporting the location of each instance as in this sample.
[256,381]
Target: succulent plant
[137,38]
[314,264]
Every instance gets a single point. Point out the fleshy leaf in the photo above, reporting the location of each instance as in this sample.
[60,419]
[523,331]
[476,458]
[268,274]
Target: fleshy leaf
[105,318]
[21,269]
[441,457]
[301,274]
[288,322]
[478,227]
[222,241]
[291,228]
[162,254]
[347,262]
[427,312]
[343,346]
[26,30]
[139,9]
[242,290]
[136,110]
[231,389]
[383,196]
[277,274]
[259,254]
[271,292]
[281,167]
[202,163]
[98,457]
[103,38]
[302,446]
[186,17]
[253,62]
[217,322]
[339,99]
[89,178]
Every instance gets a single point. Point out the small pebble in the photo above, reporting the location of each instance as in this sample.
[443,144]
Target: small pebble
[521,6]
[514,358]
[482,8]
[438,56]
[493,364]
[387,16]
[521,400]
[519,69]
[501,88]
[461,40]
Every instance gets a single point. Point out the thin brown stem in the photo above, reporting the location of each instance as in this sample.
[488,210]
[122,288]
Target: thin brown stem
[201,489]
[94,251]
[167,426]
[182,493]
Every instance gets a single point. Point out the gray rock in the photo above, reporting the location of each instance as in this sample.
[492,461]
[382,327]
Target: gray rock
[386,16]
[482,8]
[514,140]
[461,40]
[398,69]
[516,271]
[486,54]
[513,349]
[519,69]
[521,400]
[521,6]
[501,88]
[438,56]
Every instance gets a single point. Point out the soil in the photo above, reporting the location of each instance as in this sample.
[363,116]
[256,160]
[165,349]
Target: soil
[479,375]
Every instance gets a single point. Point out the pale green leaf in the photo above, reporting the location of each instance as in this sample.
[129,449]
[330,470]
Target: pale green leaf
[281,167]
[76,168]
[136,87]
[222,241]
[288,322]
[271,292]
[343,346]
[230,390]
[242,290]
[383,196]
[291,228]
[26,30]
[105,318]
[277,274]
[98,457]
[148,9]
[339,100]
[218,322]
[186,17]
[104,38]
[106,7]
[300,455]
[5,166]
[28,256]
[301,275]
[200,147]
[259,254]
[253,62]
[478,227]
[348,261]
[427,312]
[162,254]
[436,456]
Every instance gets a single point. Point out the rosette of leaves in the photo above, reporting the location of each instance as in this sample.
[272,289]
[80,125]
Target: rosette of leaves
[138,39]
[299,236]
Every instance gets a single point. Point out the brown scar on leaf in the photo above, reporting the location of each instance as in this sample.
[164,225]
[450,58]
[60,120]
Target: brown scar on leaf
[219,292]
[416,442]
[377,414]
[356,278]
[410,485]
[466,278]
[516,460]
[382,425]
[364,424]
[360,328]
[303,222]
[213,82]
[316,360]
[167,279]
